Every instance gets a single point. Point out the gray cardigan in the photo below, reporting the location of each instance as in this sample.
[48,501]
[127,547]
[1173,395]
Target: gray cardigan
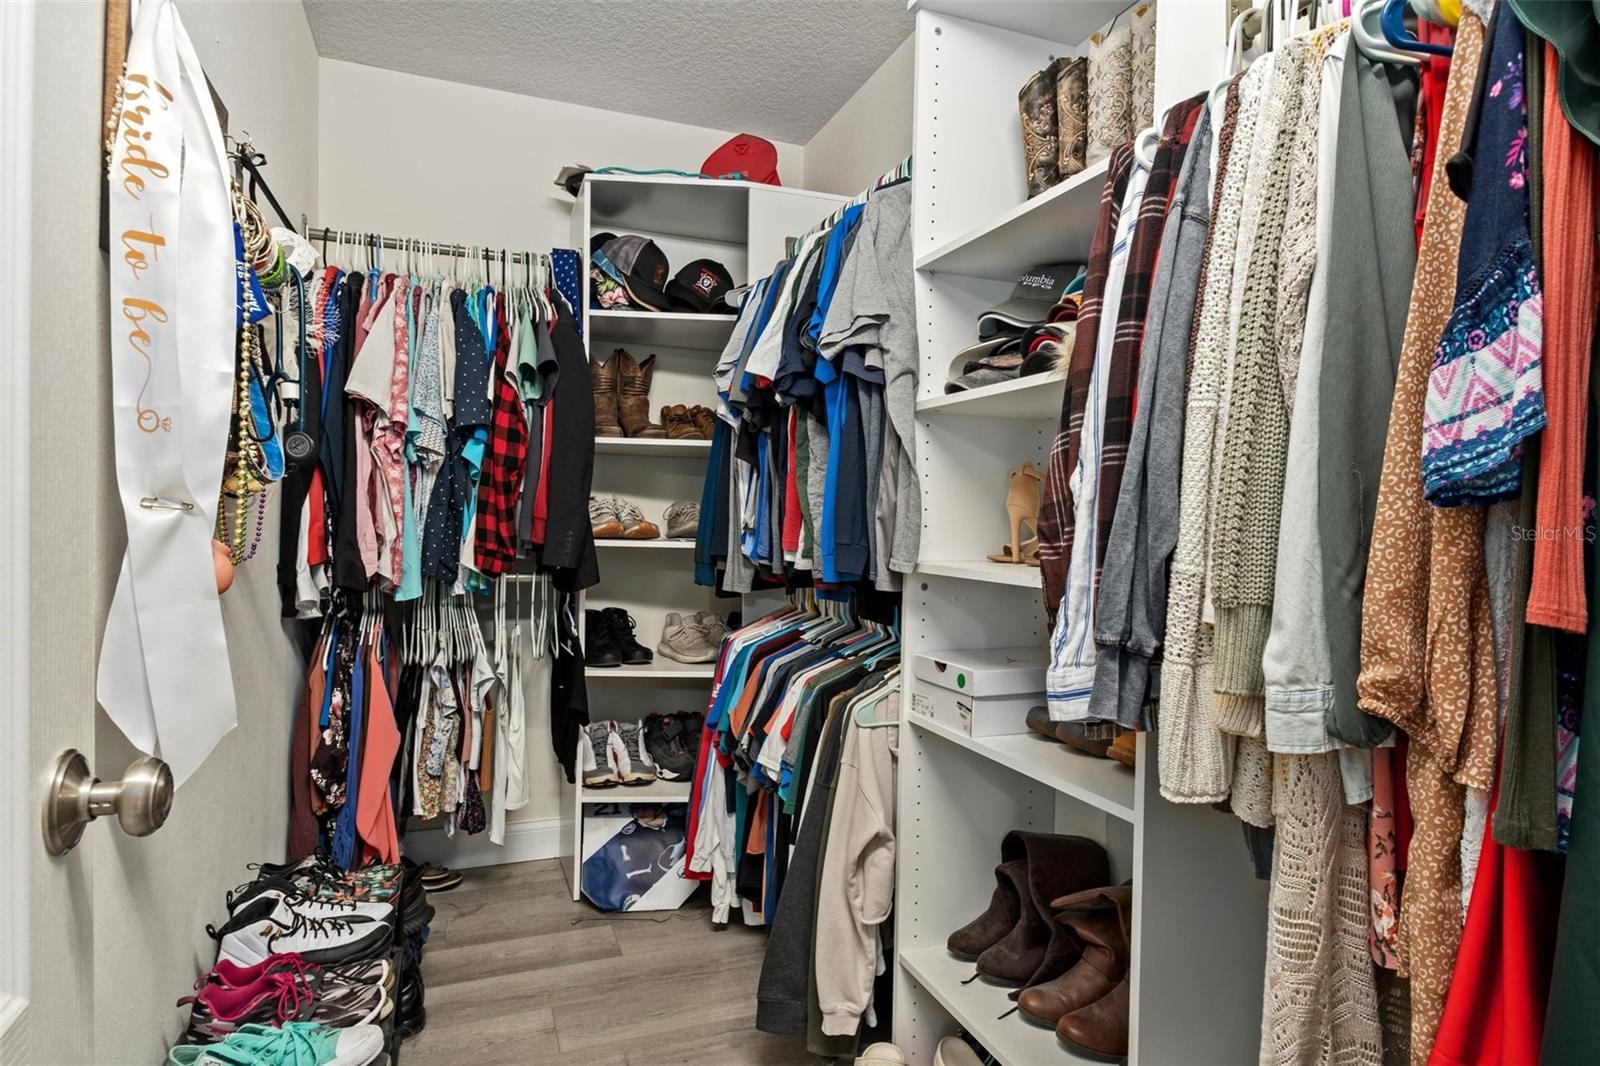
[1374,258]
[1131,616]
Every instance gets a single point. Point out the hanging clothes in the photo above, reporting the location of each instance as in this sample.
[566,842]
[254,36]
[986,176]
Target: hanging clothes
[813,461]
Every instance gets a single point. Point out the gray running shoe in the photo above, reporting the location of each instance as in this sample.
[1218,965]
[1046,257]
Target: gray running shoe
[683,519]
[630,756]
[714,626]
[684,640]
[594,756]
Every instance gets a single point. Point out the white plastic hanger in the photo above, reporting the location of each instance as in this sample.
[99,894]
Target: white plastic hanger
[1373,46]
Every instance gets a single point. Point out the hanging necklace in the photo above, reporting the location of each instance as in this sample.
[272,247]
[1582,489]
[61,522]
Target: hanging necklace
[252,468]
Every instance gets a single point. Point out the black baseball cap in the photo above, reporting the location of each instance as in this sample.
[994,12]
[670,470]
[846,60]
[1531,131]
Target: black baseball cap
[1034,294]
[701,287]
[599,241]
[644,270]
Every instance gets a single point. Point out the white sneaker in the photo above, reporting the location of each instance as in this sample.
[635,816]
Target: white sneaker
[631,760]
[371,911]
[268,926]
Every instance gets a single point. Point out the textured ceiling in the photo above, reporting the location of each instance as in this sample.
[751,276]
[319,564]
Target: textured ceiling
[778,68]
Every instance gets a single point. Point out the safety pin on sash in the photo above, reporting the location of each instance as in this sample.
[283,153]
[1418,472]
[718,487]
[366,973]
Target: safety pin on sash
[156,503]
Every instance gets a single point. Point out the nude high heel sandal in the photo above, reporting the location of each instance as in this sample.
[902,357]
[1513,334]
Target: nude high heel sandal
[1023,499]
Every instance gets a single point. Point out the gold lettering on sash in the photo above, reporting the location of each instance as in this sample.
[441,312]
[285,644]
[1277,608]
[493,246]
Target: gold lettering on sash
[142,248]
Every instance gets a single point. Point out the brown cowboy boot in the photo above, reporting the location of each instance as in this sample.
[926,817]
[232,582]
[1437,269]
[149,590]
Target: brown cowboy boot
[634,390]
[1036,104]
[1099,919]
[604,377]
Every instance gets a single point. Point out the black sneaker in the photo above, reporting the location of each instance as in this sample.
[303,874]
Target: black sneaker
[621,629]
[685,738]
[599,642]
[661,742]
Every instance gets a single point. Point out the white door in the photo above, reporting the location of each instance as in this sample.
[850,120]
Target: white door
[46,920]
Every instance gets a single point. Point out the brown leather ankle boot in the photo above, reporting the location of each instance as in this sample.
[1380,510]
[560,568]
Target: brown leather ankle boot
[604,377]
[990,927]
[633,406]
[1125,748]
[677,423]
[1099,1030]
[1098,919]
[705,420]
[1038,947]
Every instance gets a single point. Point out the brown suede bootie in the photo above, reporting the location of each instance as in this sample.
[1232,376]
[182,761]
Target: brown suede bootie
[677,423]
[1098,919]
[1005,907]
[604,378]
[1038,947]
[634,394]
[1099,1030]
[704,419]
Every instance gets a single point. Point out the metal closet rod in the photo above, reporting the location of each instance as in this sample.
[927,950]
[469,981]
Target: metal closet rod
[401,244]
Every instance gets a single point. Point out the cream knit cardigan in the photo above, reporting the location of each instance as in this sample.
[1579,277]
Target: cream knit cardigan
[1319,1003]
[1256,442]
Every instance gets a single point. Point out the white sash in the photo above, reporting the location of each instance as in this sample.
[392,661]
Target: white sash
[164,676]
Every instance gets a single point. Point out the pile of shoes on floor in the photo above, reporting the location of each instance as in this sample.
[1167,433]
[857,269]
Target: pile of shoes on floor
[687,637]
[1059,930]
[315,965]
[662,747]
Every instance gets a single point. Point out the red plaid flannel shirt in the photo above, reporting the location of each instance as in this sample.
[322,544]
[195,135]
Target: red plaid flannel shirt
[501,480]
[1055,516]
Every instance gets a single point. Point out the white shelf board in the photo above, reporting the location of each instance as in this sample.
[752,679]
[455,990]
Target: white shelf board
[659,542]
[978,1006]
[1032,398]
[1101,783]
[660,670]
[1021,576]
[691,449]
[703,333]
[1054,227]
[1062,21]
[654,792]
[697,208]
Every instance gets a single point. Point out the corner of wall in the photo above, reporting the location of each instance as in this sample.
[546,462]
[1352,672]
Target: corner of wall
[870,133]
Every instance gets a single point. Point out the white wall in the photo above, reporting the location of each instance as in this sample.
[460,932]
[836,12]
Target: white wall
[150,898]
[870,134]
[420,157]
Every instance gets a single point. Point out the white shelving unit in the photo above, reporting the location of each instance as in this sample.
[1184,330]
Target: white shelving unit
[696,333]
[743,227]
[659,542]
[1030,398]
[1199,913]
[661,446]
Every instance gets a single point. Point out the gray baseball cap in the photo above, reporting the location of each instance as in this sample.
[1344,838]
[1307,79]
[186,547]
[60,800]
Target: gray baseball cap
[644,270]
[1035,292]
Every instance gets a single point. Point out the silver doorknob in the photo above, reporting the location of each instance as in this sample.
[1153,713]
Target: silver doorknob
[141,800]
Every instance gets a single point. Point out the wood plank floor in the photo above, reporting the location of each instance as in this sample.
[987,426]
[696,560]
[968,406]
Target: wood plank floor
[518,973]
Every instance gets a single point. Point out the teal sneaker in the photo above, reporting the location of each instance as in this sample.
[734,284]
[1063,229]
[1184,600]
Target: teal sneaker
[294,1044]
